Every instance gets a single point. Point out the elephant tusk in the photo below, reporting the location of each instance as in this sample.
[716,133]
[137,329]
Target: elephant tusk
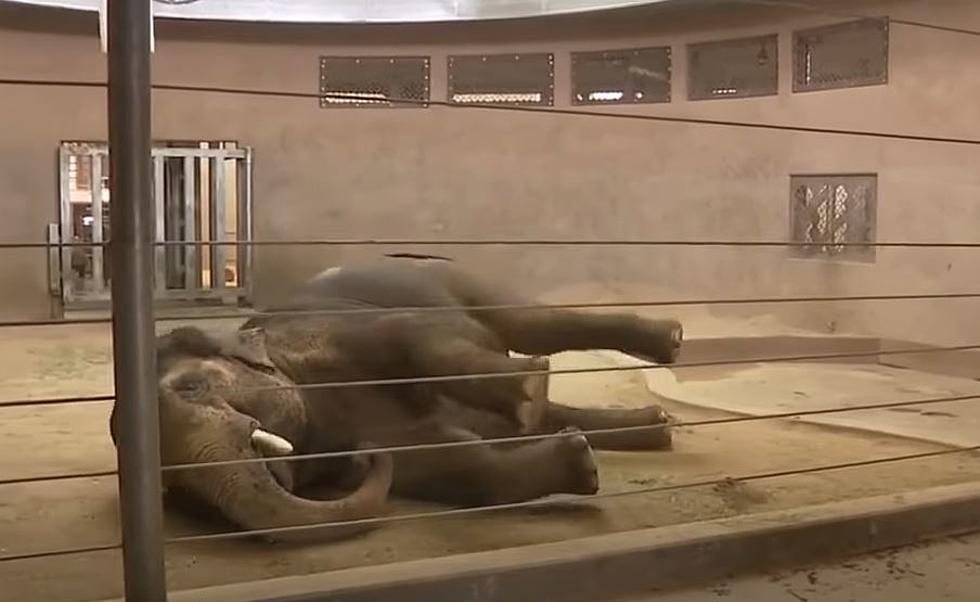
[271,444]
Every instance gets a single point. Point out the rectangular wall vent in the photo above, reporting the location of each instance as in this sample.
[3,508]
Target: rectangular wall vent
[738,68]
[837,211]
[509,79]
[844,55]
[640,75]
[374,81]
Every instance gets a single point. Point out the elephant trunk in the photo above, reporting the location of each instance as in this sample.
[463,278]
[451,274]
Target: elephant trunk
[249,495]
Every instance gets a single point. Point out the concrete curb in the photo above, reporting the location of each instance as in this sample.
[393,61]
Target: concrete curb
[603,567]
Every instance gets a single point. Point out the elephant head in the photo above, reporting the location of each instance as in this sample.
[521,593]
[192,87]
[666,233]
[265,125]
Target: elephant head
[215,398]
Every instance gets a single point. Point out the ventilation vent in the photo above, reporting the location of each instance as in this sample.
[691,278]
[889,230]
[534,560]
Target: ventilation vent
[640,75]
[510,79]
[837,212]
[733,68]
[374,81]
[844,55]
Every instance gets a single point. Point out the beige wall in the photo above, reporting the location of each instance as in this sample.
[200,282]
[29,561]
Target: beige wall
[450,173]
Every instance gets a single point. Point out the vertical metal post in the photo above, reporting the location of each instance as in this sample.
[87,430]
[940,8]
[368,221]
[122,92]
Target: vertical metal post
[132,300]
[67,226]
[98,228]
[217,214]
[192,262]
[159,226]
[245,228]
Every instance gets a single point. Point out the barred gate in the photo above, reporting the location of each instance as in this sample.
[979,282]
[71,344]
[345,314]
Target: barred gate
[202,194]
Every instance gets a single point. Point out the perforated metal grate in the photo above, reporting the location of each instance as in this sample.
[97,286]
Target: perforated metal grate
[640,75]
[376,81]
[834,210]
[843,55]
[737,68]
[512,79]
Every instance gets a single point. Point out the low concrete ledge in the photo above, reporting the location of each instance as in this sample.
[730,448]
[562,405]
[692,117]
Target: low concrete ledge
[960,363]
[603,567]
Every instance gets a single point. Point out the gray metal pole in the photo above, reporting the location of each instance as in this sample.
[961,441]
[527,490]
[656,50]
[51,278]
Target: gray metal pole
[131,248]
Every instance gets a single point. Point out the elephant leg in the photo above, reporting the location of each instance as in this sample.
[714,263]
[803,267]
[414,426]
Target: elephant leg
[517,397]
[548,331]
[476,475]
[560,416]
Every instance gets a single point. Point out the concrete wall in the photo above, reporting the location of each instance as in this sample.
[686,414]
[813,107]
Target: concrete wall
[449,173]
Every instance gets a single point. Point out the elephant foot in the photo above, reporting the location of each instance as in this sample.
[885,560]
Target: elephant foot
[652,439]
[645,429]
[531,414]
[575,456]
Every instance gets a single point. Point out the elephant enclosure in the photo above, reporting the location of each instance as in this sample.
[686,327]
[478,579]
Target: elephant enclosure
[36,441]
[788,181]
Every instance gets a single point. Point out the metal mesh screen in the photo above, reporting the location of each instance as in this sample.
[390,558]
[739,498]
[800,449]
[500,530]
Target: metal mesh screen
[511,79]
[737,68]
[639,75]
[843,55]
[832,210]
[375,81]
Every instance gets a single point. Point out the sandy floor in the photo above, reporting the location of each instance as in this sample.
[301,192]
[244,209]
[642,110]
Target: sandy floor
[82,512]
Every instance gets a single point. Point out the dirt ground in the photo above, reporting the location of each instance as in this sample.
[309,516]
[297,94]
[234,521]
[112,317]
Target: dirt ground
[47,440]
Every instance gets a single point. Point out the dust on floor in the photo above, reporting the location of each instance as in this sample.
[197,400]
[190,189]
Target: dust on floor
[46,440]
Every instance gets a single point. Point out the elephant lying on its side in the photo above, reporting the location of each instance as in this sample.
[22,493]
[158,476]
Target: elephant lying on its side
[231,399]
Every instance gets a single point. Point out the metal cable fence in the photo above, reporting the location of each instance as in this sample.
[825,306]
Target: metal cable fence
[129,91]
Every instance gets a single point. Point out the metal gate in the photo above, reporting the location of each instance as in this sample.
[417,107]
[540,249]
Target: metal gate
[202,194]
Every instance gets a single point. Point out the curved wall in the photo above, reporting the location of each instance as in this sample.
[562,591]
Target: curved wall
[358,11]
[450,173]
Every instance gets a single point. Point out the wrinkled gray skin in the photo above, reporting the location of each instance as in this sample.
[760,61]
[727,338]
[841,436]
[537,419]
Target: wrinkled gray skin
[219,399]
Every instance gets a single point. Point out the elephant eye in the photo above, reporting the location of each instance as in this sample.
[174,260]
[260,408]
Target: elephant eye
[258,367]
[191,383]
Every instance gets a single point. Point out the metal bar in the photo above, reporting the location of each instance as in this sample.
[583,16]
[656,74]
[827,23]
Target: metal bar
[378,382]
[571,498]
[160,231]
[523,109]
[174,207]
[247,229]
[138,450]
[67,225]
[217,216]
[512,307]
[192,265]
[98,253]
[182,152]
[54,261]
[538,242]
[559,435]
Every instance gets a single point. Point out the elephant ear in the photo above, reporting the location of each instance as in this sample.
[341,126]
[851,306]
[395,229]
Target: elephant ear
[249,346]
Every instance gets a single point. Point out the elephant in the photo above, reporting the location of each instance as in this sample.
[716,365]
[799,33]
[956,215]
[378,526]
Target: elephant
[396,352]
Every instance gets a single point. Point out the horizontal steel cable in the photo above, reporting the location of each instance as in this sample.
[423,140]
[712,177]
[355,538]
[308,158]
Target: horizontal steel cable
[511,506]
[509,242]
[677,365]
[478,376]
[510,108]
[17,403]
[62,552]
[95,474]
[848,14]
[573,499]
[515,439]
[246,313]
[768,475]
[600,431]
